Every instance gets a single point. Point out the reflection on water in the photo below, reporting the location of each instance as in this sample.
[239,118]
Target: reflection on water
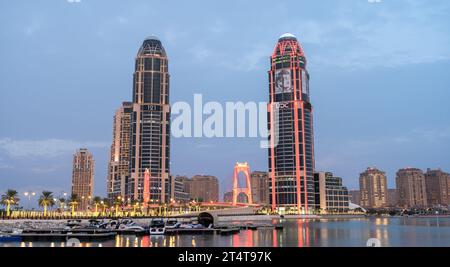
[298,233]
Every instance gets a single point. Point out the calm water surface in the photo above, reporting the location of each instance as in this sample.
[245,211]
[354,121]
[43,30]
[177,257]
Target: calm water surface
[395,232]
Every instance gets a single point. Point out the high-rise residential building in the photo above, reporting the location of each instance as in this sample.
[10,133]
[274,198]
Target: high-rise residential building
[204,188]
[393,197]
[186,181]
[83,178]
[290,123]
[330,194]
[119,161]
[150,124]
[373,188]
[177,189]
[260,187]
[355,197]
[410,183]
[437,185]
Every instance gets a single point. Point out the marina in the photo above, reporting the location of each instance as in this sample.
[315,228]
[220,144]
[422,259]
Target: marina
[334,232]
[97,230]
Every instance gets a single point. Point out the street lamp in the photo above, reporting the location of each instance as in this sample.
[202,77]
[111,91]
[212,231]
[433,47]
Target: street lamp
[29,194]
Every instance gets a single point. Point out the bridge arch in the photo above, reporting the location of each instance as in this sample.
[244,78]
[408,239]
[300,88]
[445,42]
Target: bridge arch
[207,218]
[247,190]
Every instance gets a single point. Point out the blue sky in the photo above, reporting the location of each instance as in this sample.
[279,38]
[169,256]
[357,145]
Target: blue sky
[379,81]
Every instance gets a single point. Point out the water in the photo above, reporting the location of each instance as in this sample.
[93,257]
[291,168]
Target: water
[392,232]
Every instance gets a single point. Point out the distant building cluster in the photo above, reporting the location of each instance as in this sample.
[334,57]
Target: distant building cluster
[414,189]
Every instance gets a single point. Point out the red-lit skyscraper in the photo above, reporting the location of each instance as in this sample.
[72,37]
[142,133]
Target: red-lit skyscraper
[290,121]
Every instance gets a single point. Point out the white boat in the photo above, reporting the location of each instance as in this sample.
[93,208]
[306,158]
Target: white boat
[157,227]
[172,224]
[129,225]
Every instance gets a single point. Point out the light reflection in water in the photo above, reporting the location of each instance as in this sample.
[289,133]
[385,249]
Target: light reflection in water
[298,233]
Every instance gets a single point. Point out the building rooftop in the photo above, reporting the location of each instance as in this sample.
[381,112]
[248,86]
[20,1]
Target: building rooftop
[152,46]
[287,36]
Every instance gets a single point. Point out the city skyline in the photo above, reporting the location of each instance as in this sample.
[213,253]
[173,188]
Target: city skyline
[34,156]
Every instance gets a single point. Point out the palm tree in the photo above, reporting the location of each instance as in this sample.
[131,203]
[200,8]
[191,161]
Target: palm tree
[10,198]
[73,201]
[135,205]
[46,199]
[97,201]
[105,205]
[118,202]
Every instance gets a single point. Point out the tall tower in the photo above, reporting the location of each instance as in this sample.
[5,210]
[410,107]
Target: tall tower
[119,162]
[83,177]
[290,122]
[150,123]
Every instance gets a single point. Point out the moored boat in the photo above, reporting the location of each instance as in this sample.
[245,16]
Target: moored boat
[157,227]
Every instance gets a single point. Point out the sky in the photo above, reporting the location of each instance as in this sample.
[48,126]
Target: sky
[379,81]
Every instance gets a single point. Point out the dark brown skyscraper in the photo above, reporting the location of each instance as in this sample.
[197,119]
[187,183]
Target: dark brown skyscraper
[83,177]
[150,123]
[290,119]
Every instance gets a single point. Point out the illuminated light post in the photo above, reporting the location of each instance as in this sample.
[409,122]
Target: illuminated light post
[134,207]
[82,201]
[119,200]
[89,203]
[146,186]
[102,203]
[28,195]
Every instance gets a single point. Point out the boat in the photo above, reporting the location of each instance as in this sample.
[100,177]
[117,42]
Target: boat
[172,224]
[129,226]
[63,235]
[7,237]
[157,227]
[73,224]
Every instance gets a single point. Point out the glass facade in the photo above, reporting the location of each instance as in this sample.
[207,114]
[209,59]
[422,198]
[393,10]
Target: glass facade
[119,163]
[150,123]
[291,155]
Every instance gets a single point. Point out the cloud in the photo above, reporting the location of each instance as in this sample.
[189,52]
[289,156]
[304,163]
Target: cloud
[4,166]
[44,170]
[218,27]
[122,20]
[345,152]
[32,28]
[174,36]
[250,58]
[44,148]
[432,135]
[201,52]
[397,34]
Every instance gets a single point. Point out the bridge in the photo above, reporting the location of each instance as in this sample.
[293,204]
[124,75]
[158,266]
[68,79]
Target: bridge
[211,217]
